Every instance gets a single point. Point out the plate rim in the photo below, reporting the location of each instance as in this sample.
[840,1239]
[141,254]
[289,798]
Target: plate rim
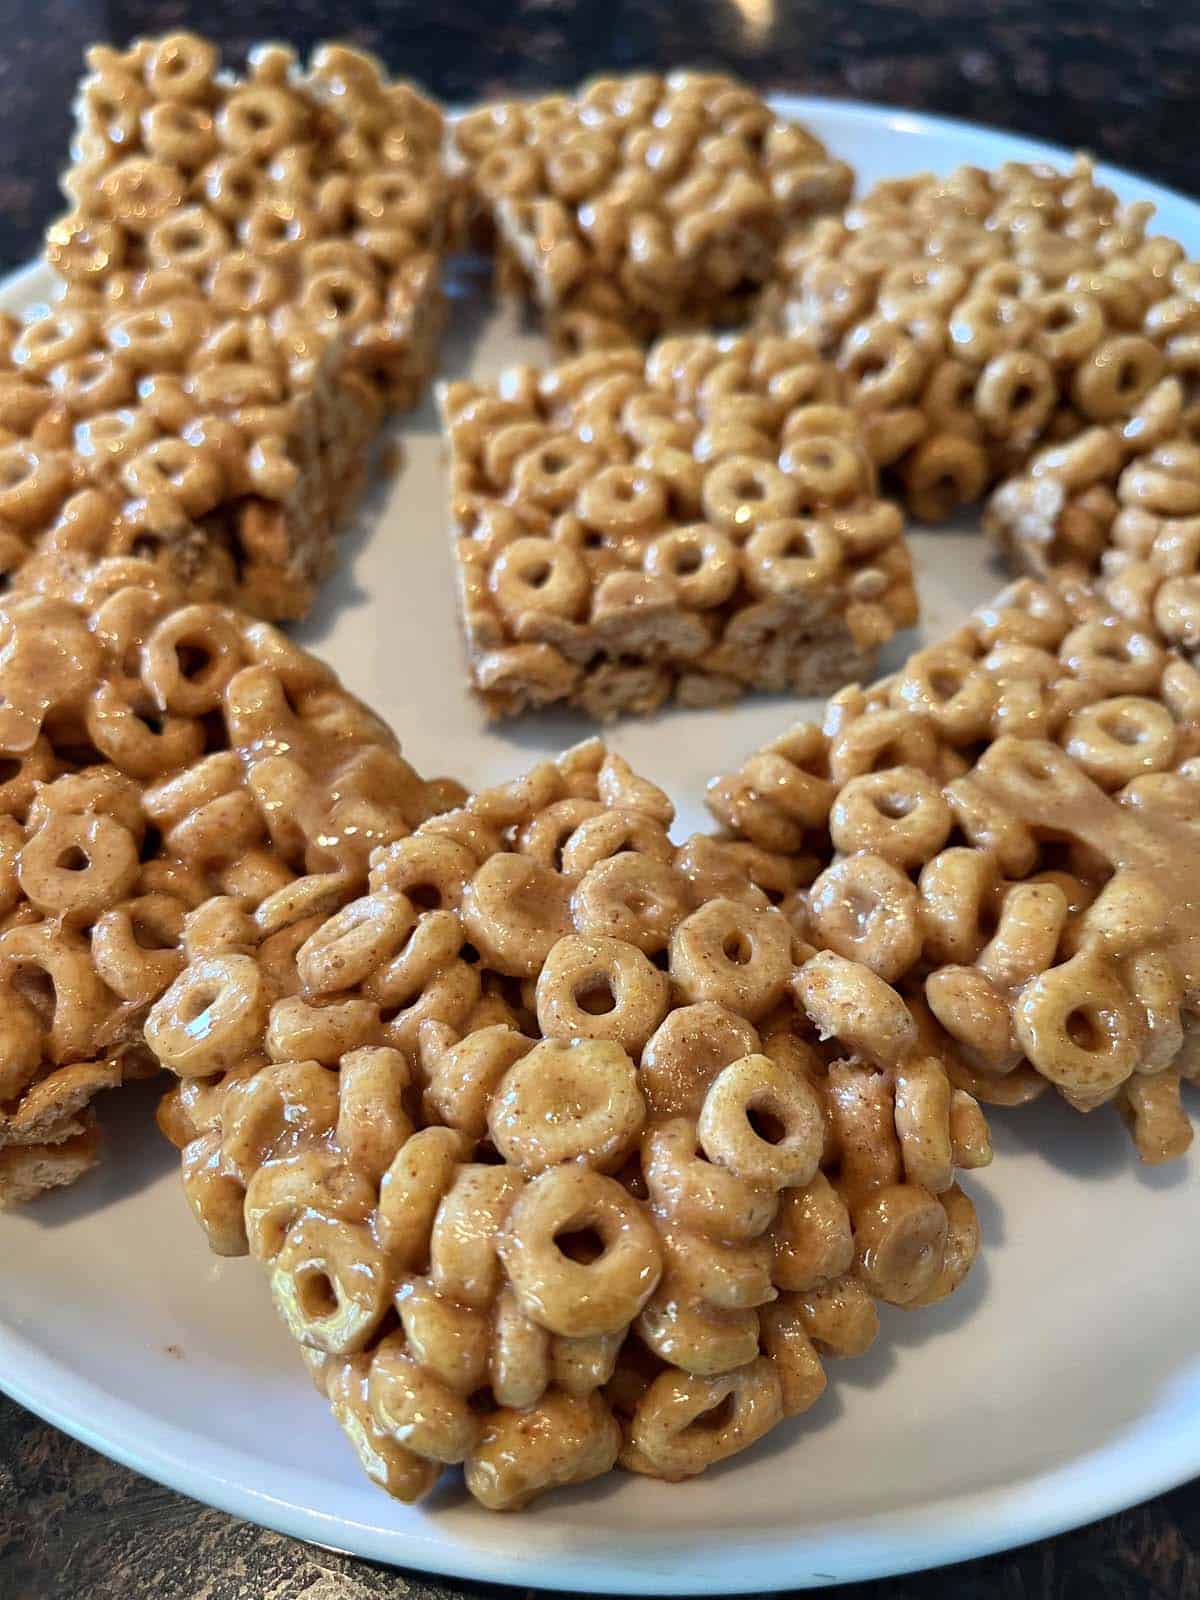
[870,1545]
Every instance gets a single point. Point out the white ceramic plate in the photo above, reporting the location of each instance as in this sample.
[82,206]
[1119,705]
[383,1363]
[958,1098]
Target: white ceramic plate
[1062,1382]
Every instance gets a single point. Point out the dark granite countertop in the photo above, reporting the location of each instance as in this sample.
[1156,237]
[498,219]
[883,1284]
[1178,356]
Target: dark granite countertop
[1121,77]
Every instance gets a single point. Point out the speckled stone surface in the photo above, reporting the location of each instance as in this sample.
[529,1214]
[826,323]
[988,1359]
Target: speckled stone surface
[1121,77]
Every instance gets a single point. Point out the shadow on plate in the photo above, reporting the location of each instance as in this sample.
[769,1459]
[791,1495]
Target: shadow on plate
[1087,1146]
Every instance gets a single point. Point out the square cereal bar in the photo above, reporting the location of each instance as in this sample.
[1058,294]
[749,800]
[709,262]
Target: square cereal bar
[697,521]
[252,273]
[1007,830]
[976,313]
[642,205]
[222,451]
[170,769]
[541,1153]
[310,196]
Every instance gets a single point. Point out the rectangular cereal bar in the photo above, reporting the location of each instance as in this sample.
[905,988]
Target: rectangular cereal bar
[642,205]
[1006,830]
[314,195]
[214,447]
[541,1153]
[175,774]
[251,273]
[698,521]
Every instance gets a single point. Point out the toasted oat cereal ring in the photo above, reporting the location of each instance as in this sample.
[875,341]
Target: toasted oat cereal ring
[330,1284]
[900,1236]
[687,1051]
[671,1436]
[898,813]
[698,1195]
[578,1298]
[866,909]
[793,556]
[1015,394]
[354,942]
[33,483]
[180,66]
[1117,740]
[191,658]
[515,911]
[138,192]
[736,955]
[1116,375]
[763,1123]
[416,1408]
[633,898]
[181,135]
[539,576]
[289,1187]
[190,238]
[577,1102]
[599,988]
[212,1015]
[257,120]
[74,867]
[562,1439]
[701,562]
[848,1002]
[1080,1027]
[741,492]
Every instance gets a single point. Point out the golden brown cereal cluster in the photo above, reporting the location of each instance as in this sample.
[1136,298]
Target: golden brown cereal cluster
[312,199]
[155,755]
[642,205]
[1124,499]
[698,521]
[144,425]
[977,313]
[538,1145]
[1006,831]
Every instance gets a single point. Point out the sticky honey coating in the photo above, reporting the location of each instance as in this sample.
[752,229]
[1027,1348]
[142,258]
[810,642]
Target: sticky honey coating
[1005,832]
[640,205]
[978,313]
[251,276]
[558,1148]
[167,765]
[697,521]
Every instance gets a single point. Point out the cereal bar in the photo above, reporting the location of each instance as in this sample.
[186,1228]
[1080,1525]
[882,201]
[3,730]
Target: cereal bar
[642,205]
[314,196]
[541,1152]
[166,767]
[251,271]
[208,445]
[977,313]
[1006,831]
[696,521]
